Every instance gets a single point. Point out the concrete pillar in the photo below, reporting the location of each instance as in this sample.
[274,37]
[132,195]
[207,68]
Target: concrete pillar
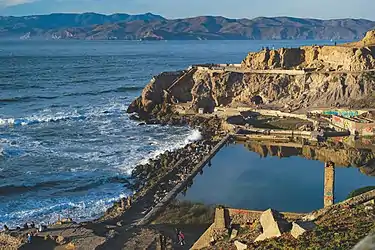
[329,183]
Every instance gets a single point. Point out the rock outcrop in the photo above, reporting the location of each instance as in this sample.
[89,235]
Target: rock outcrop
[289,79]
[329,58]
[239,245]
[273,225]
[357,56]
[300,227]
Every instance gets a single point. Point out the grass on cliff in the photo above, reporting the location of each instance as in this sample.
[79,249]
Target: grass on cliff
[360,191]
[185,212]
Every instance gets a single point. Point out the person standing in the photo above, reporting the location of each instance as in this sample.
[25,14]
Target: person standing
[29,238]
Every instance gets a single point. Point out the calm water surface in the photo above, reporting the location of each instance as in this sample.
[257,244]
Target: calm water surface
[240,178]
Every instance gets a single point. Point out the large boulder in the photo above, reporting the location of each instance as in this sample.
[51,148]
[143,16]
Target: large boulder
[273,225]
[239,245]
[300,227]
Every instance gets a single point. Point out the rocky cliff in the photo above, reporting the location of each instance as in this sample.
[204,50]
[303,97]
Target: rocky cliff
[347,57]
[286,79]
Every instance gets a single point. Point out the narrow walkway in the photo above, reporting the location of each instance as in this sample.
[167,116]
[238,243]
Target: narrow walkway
[279,71]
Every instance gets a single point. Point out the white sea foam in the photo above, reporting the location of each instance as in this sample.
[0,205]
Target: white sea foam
[44,213]
[194,135]
[108,139]
[48,115]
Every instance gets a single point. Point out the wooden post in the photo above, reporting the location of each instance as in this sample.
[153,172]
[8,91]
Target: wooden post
[329,183]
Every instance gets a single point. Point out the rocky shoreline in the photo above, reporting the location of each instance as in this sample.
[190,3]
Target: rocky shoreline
[162,174]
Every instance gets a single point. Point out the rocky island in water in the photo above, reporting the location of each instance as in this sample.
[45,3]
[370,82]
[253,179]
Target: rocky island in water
[314,102]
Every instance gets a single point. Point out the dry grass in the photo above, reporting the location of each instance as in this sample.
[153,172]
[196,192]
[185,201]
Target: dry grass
[185,212]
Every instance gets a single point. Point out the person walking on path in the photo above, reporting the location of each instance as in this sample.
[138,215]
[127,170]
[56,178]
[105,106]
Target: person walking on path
[29,238]
[177,235]
[181,238]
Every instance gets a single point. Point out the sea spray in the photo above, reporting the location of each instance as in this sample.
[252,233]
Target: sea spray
[194,135]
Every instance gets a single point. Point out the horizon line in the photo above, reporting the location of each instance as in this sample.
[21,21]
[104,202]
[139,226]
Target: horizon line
[188,17]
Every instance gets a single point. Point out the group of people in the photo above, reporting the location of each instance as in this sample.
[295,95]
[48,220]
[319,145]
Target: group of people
[28,226]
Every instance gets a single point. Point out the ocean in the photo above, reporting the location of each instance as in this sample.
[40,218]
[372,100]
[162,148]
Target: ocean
[66,143]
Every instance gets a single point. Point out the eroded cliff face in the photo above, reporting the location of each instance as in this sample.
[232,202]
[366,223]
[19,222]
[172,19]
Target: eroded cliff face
[281,90]
[356,56]
[207,90]
[344,58]
[338,76]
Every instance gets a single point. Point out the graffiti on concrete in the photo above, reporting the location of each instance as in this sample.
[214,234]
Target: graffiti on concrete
[343,113]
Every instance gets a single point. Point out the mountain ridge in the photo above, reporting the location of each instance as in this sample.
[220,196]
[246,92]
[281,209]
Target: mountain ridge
[148,26]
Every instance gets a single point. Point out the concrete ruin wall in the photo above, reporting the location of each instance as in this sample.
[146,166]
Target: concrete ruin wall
[364,129]
[340,112]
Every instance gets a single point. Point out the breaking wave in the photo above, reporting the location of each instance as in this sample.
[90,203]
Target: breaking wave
[90,93]
[36,120]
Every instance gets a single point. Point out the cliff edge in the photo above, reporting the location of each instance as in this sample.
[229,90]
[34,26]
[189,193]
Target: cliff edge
[357,56]
[286,78]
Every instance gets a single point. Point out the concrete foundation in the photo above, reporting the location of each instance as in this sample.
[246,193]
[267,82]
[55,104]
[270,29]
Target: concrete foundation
[329,183]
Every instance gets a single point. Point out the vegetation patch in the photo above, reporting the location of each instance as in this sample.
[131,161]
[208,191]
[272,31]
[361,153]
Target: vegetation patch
[360,191]
[186,212]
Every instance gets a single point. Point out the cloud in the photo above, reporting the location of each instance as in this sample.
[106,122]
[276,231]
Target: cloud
[7,3]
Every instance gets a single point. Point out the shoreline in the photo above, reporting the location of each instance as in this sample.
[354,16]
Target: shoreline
[151,181]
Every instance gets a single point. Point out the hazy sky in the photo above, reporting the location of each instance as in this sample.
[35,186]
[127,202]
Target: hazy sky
[179,8]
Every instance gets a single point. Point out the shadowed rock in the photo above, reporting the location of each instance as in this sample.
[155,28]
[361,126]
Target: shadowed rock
[273,225]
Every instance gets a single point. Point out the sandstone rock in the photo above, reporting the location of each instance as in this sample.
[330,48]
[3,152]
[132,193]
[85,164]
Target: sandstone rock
[369,203]
[300,227]
[60,240]
[233,234]
[206,89]
[273,225]
[239,245]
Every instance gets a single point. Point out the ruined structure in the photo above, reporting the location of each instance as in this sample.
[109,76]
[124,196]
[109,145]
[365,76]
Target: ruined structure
[329,184]
[356,125]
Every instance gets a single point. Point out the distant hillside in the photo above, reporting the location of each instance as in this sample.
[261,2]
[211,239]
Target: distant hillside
[153,27]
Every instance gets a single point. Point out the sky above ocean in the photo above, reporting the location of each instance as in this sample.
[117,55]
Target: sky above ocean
[324,9]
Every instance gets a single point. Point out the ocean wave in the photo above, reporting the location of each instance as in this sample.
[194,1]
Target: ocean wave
[18,189]
[193,136]
[36,120]
[91,93]
[26,98]
[8,190]
[95,184]
[117,90]
[46,212]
